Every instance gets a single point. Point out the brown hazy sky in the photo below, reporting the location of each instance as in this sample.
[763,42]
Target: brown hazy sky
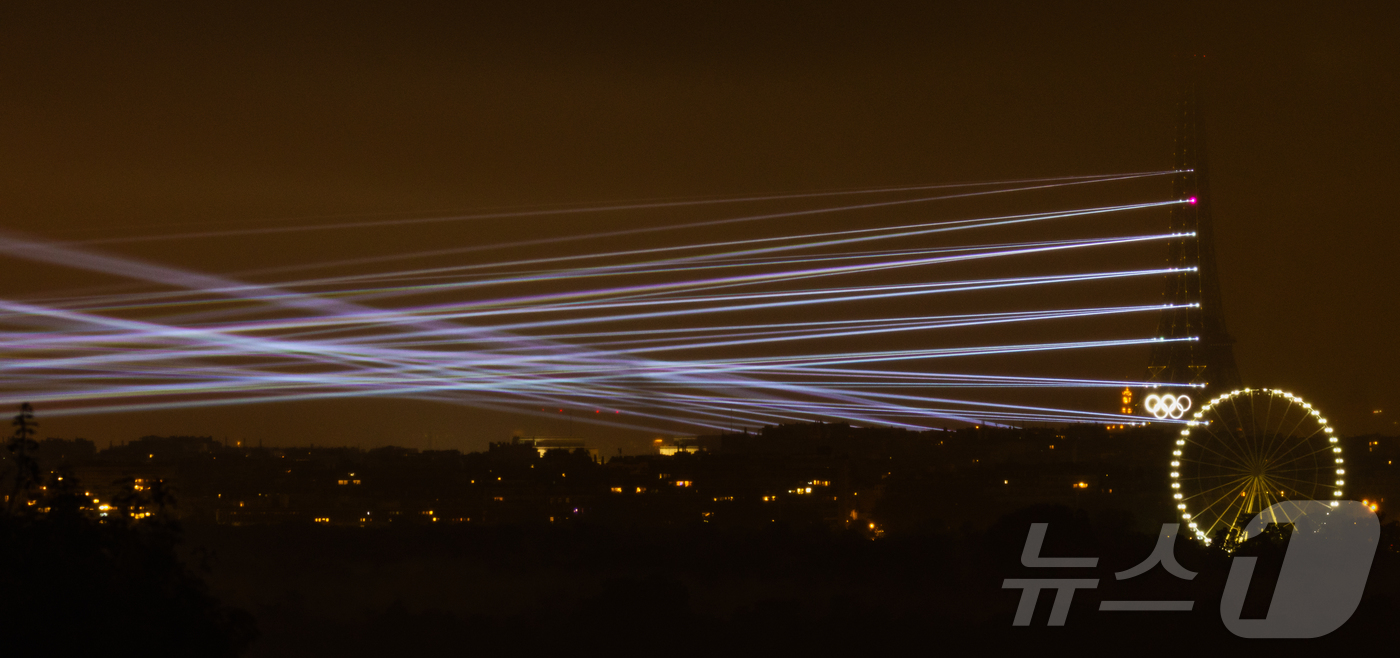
[143,118]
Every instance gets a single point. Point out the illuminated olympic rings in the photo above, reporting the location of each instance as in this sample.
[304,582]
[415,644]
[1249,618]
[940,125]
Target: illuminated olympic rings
[1167,406]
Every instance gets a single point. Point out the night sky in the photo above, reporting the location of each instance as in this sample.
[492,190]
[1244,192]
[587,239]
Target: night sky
[188,135]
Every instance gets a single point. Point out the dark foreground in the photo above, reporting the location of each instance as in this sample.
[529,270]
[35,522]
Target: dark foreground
[346,591]
[456,590]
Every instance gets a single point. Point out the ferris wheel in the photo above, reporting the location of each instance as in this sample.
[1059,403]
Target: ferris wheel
[1247,450]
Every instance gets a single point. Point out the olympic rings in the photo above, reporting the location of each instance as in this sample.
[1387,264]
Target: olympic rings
[1167,406]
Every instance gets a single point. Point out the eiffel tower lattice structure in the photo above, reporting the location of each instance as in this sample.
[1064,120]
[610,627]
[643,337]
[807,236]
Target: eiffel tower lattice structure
[1193,293]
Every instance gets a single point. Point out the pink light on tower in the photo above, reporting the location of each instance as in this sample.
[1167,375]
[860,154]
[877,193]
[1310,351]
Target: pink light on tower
[1191,201]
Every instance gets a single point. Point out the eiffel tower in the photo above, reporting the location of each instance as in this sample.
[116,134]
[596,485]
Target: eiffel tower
[1194,293]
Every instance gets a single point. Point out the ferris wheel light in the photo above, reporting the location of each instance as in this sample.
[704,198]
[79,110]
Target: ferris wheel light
[1240,414]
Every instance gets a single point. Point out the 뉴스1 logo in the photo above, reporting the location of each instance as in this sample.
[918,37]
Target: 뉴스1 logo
[1324,573]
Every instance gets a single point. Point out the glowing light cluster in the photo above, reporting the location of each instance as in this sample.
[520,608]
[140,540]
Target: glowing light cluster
[1163,406]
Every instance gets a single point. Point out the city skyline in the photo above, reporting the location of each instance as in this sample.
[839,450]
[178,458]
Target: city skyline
[545,327]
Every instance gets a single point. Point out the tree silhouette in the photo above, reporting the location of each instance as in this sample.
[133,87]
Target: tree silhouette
[77,582]
[22,447]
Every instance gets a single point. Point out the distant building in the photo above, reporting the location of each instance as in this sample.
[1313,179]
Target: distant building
[686,444]
[544,444]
